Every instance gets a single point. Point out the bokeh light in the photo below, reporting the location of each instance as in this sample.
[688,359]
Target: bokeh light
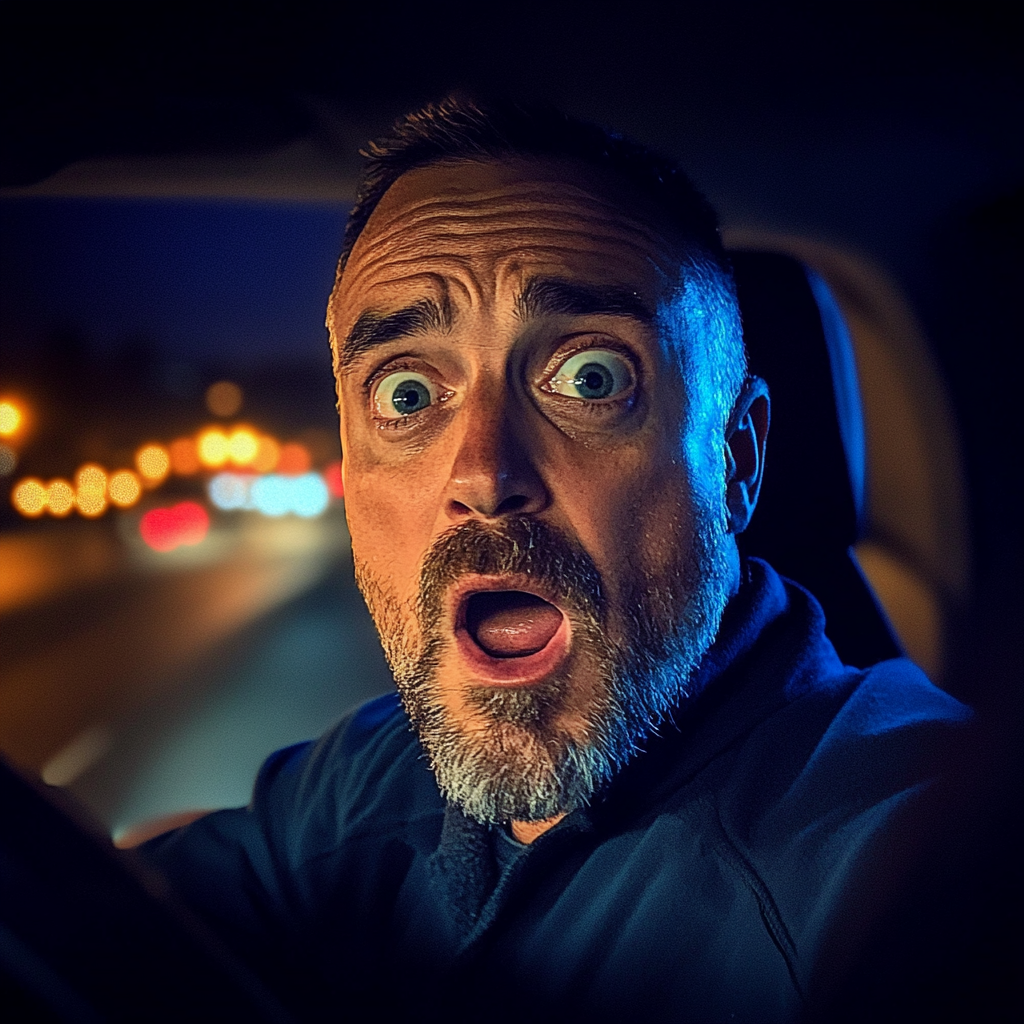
[8,460]
[224,398]
[268,451]
[29,497]
[124,488]
[153,462]
[212,448]
[310,496]
[272,495]
[165,529]
[294,459]
[243,445]
[276,495]
[332,477]
[184,457]
[10,418]
[91,491]
[230,490]
[60,497]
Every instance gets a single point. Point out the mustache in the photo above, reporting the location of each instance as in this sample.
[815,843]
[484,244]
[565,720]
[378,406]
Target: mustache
[519,545]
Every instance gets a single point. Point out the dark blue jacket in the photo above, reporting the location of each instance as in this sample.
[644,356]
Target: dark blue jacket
[729,872]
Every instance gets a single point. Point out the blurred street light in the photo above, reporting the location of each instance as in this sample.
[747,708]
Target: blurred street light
[30,497]
[60,497]
[224,398]
[184,457]
[124,488]
[11,417]
[153,462]
[91,491]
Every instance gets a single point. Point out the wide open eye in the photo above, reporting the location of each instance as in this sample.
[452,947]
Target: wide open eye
[593,374]
[402,393]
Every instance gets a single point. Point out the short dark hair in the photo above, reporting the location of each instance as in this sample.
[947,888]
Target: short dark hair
[459,128]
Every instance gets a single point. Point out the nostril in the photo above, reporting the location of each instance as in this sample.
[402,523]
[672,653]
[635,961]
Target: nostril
[513,503]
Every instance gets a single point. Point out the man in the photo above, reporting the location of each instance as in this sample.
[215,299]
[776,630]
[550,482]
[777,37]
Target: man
[628,776]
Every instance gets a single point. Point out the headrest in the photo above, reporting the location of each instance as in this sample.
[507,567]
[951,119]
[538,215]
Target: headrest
[812,507]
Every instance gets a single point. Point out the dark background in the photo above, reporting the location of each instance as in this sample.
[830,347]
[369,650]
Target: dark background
[892,130]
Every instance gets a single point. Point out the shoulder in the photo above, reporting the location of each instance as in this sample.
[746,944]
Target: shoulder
[853,740]
[828,803]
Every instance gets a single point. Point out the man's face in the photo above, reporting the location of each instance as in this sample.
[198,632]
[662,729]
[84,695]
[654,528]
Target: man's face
[542,553]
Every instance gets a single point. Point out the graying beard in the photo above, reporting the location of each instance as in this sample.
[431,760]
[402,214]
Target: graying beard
[530,707]
[521,767]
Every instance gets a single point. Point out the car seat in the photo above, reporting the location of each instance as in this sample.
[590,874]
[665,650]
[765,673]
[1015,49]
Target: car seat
[813,502]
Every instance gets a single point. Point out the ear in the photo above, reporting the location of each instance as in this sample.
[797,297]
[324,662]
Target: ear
[745,436]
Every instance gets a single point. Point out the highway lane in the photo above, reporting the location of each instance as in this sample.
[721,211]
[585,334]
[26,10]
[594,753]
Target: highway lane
[149,683]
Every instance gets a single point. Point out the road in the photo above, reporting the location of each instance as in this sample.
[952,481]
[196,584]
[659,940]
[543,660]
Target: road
[149,683]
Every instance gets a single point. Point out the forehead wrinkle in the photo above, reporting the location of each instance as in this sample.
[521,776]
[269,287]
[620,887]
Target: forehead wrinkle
[481,223]
[445,272]
[478,283]
[476,272]
[503,202]
[445,245]
[469,198]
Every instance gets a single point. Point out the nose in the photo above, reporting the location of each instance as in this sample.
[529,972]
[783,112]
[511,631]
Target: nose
[494,472]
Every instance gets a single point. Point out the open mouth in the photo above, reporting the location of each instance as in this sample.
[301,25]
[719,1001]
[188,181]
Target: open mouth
[511,623]
[511,637]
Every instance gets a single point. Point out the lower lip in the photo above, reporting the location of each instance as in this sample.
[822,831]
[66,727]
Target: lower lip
[527,670]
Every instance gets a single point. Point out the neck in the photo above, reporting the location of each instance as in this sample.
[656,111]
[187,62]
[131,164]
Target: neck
[527,831]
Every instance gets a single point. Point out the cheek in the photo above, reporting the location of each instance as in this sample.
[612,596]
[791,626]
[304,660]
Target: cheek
[632,514]
[390,514]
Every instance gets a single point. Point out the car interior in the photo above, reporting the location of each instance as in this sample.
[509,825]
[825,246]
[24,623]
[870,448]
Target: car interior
[870,191]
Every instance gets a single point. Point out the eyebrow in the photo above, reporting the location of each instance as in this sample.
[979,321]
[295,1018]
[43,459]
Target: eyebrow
[552,296]
[373,329]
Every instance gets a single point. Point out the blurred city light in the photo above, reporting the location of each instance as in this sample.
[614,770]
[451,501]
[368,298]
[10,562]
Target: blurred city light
[153,462]
[60,497]
[230,490]
[91,491]
[213,448]
[310,496]
[272,495]
[242,446]
[11,416]
[294,459]
[184,457]
[224,398]
[29,497]
[124,488]
[8,460]
[332,477]
[276,495]
[165,529]
[268,451]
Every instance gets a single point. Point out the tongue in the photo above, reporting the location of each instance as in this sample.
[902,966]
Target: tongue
[511,624]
